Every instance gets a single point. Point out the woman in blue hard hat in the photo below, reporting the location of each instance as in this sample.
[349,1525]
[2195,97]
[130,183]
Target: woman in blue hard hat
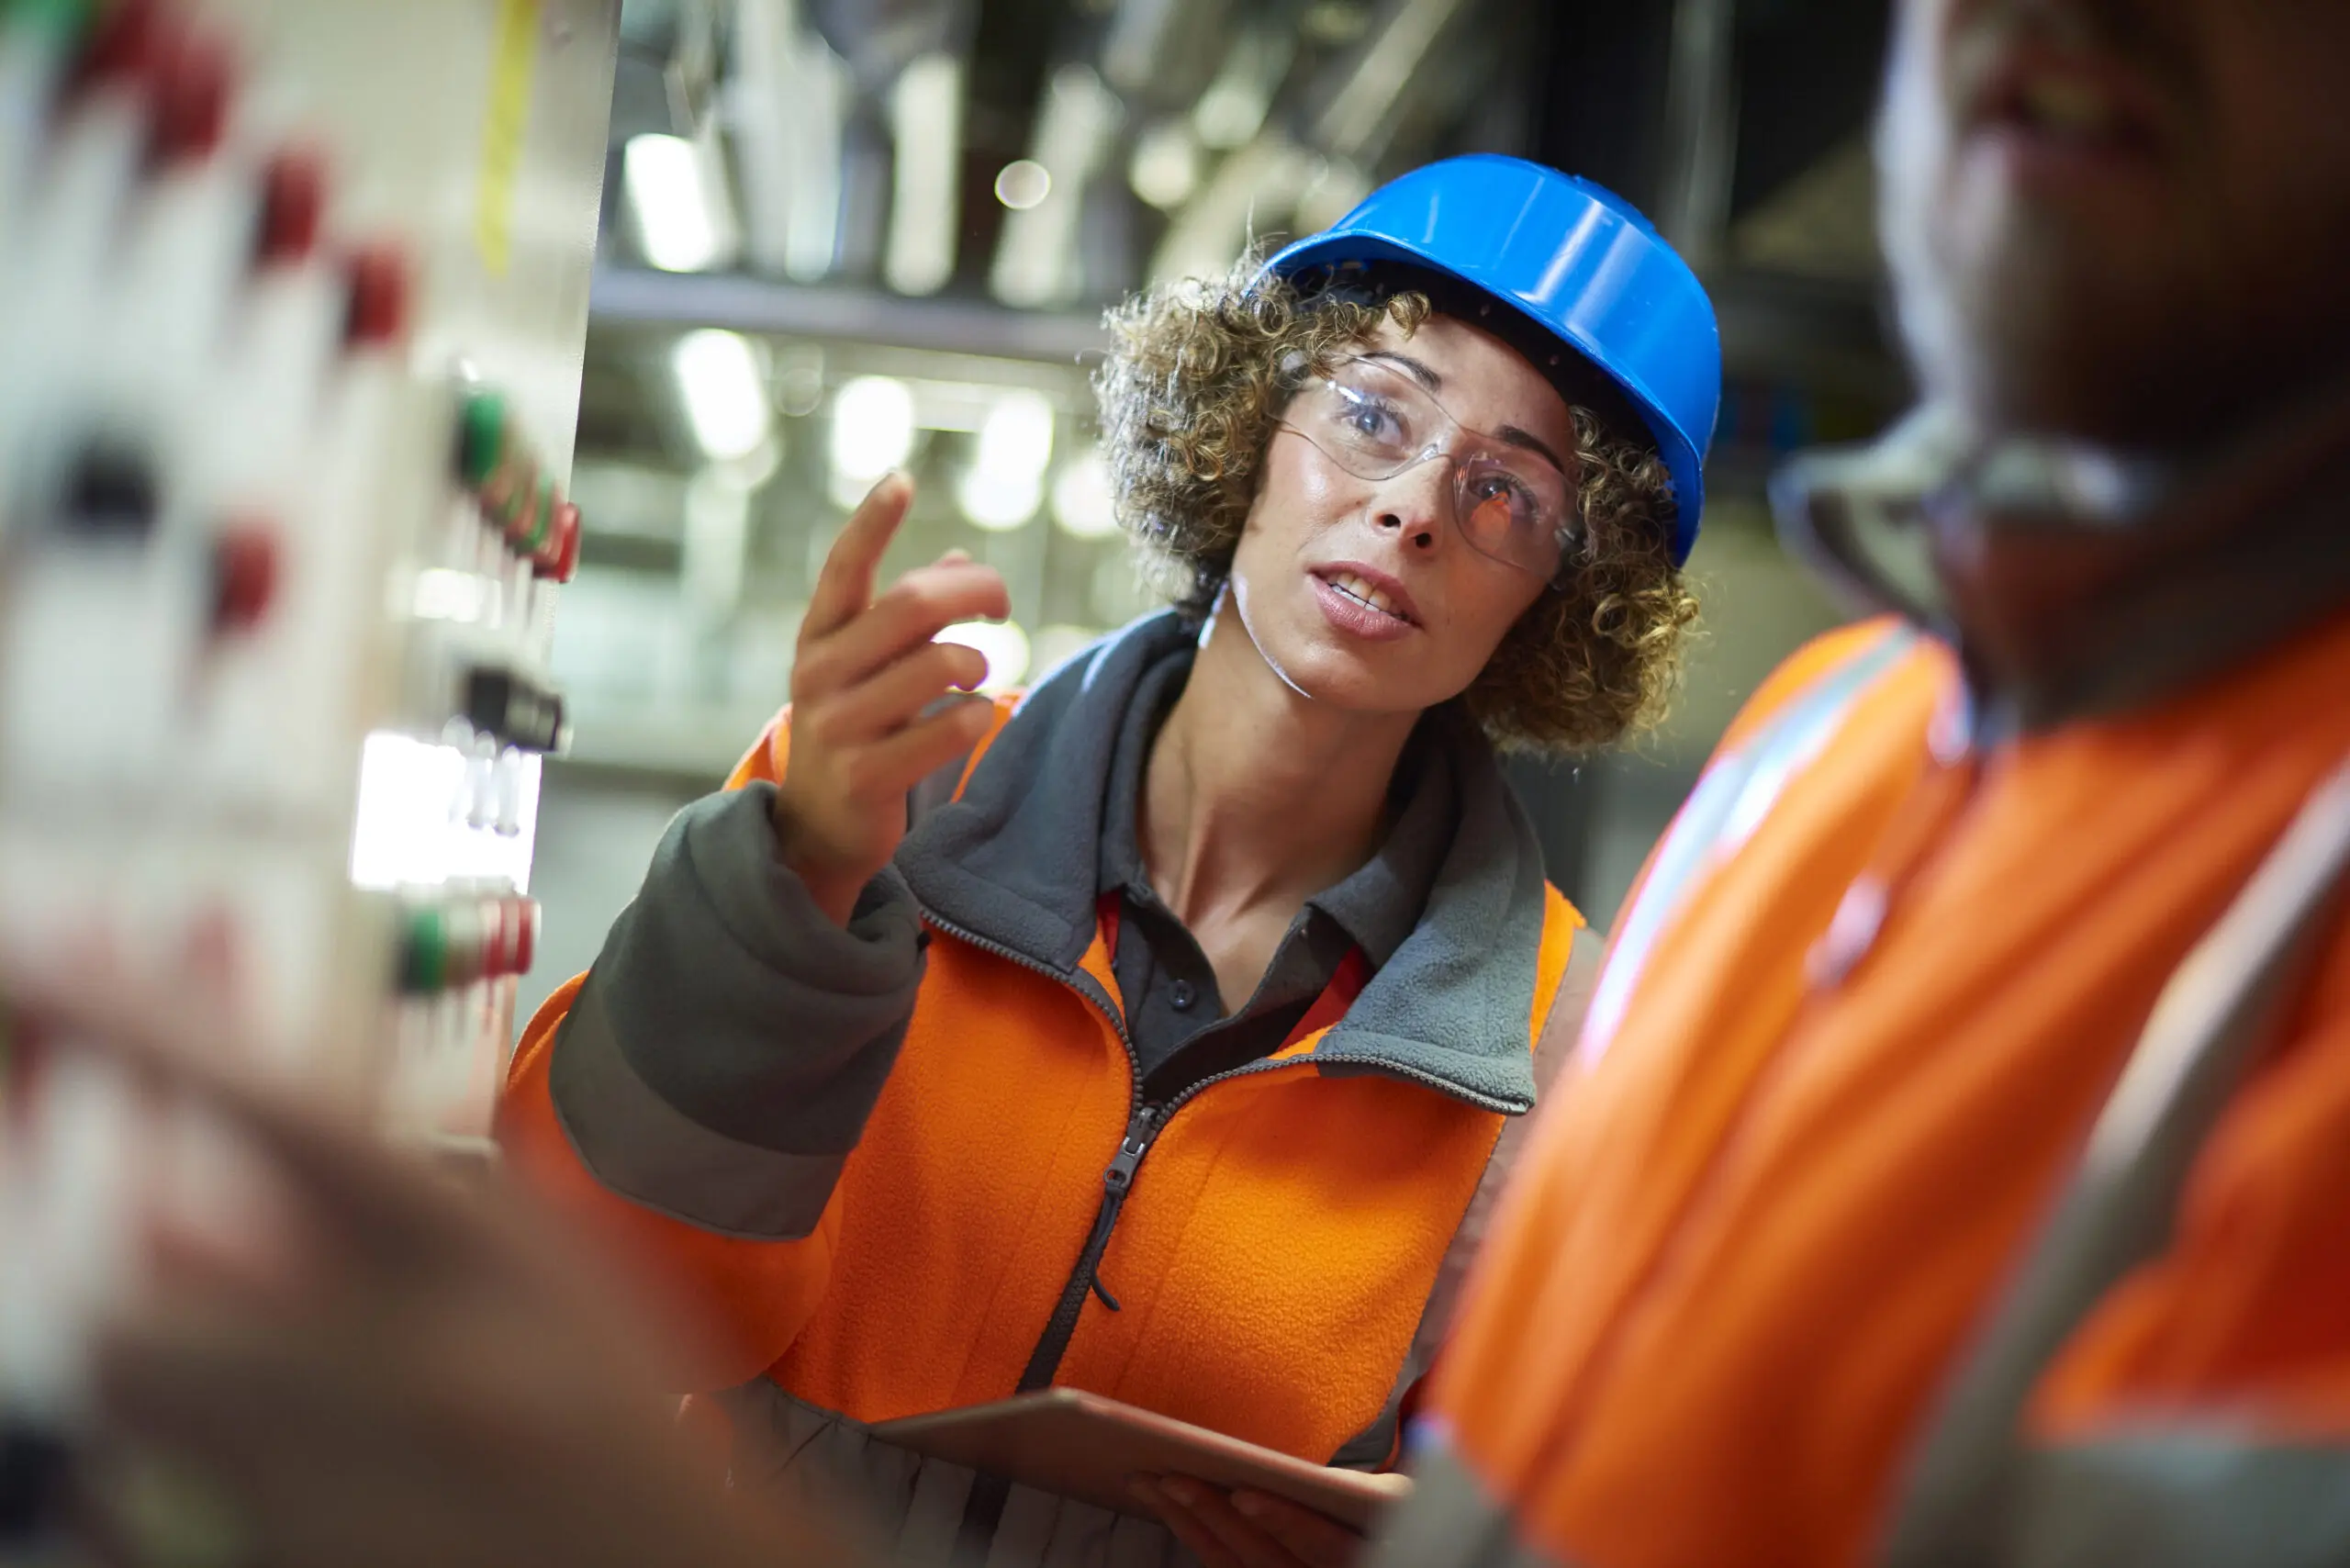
[1154,1034]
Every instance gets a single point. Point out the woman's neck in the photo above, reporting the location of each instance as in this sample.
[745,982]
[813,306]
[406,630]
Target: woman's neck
[1257,797]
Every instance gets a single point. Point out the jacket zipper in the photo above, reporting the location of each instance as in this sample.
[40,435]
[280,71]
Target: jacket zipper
[1144,1125]
[1116,1181]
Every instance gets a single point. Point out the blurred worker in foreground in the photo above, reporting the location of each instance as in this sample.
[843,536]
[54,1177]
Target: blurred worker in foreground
[1871,1230]
[1153,1035]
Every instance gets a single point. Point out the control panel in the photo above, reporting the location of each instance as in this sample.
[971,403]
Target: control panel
[293,296]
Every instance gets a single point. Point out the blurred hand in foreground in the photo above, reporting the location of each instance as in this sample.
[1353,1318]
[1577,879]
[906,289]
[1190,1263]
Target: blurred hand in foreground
[429,1372]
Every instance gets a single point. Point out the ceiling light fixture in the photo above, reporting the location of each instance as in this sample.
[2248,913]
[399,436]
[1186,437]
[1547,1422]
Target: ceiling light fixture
[724,387]
[1038,262]
[926,123]
[678,222]
[1166,166]
[873,432]
[1232,109]
[1005,483]
[1084,505]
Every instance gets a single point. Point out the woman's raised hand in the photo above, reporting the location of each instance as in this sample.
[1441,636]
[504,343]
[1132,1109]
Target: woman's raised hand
[865,672]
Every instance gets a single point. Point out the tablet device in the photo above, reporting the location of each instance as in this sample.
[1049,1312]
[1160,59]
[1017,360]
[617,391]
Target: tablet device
[1082,1445]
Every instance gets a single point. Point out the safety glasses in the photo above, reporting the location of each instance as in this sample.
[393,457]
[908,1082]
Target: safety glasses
[1373,420]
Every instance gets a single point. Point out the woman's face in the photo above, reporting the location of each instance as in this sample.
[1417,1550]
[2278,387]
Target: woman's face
[1362,592]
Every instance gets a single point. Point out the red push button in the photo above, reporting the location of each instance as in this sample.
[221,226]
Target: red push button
[293,206]
[559,558]
[525,948]
[191,102]
[129,39]
[377,314]
[244,576]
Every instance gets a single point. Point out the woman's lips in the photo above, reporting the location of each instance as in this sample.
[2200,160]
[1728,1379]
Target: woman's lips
[1364,608]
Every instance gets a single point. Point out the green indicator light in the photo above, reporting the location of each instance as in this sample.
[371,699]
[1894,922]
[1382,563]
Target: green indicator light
[424,966]
[481,437]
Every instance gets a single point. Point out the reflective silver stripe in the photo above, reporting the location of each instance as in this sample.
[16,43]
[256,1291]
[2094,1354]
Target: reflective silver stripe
[2217,1015]
[1736,791]
[1452,1521]
[2183,1500]
[792,1452]
[649,1152]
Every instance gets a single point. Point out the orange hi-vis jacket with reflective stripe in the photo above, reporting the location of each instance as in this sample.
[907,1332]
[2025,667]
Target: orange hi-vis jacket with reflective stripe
[1845,1054]
[1280,1240]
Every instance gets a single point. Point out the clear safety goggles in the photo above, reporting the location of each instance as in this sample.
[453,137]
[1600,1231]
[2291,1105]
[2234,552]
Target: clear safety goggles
[1373,420]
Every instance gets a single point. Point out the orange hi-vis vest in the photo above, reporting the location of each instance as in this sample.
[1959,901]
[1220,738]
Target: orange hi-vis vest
[1271,1261]
[1845,1054]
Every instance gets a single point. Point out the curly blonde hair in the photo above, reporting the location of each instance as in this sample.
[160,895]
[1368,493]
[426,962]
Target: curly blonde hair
[1190,397]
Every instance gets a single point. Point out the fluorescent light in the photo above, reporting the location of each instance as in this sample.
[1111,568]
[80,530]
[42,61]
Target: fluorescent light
[670,188]
[926,122]
[998,502]
[873,428]
[783,107]
[724,389]
[1017,439]
[1231,111]
[1036,262]
[1361,107]
[1166,166]
[1004,485]
[1266,176]
[1082,503]
[1022,184]
[1003,643]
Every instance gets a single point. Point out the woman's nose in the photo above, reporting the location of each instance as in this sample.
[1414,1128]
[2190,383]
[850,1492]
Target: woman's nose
[1413,503]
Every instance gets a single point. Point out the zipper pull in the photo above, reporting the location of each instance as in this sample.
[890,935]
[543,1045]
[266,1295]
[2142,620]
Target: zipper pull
[1131,1149]
[1116,1183]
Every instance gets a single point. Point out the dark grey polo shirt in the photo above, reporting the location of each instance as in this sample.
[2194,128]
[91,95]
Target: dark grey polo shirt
[1182,1028]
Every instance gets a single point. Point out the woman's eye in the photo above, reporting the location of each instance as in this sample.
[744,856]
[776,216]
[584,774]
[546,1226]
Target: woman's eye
[1507,490]
[1370,420]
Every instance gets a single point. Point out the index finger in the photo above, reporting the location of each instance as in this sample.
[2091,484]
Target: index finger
[845,586]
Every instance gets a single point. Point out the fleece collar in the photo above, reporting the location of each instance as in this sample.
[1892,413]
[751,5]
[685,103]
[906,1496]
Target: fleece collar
[1014,863]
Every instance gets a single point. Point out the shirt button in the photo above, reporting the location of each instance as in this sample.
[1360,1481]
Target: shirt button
[1181,996]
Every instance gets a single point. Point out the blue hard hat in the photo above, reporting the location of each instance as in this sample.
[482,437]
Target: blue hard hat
[1576,259]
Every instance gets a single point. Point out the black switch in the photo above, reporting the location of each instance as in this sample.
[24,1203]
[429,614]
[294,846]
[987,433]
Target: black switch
[111,493]
[513,711]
